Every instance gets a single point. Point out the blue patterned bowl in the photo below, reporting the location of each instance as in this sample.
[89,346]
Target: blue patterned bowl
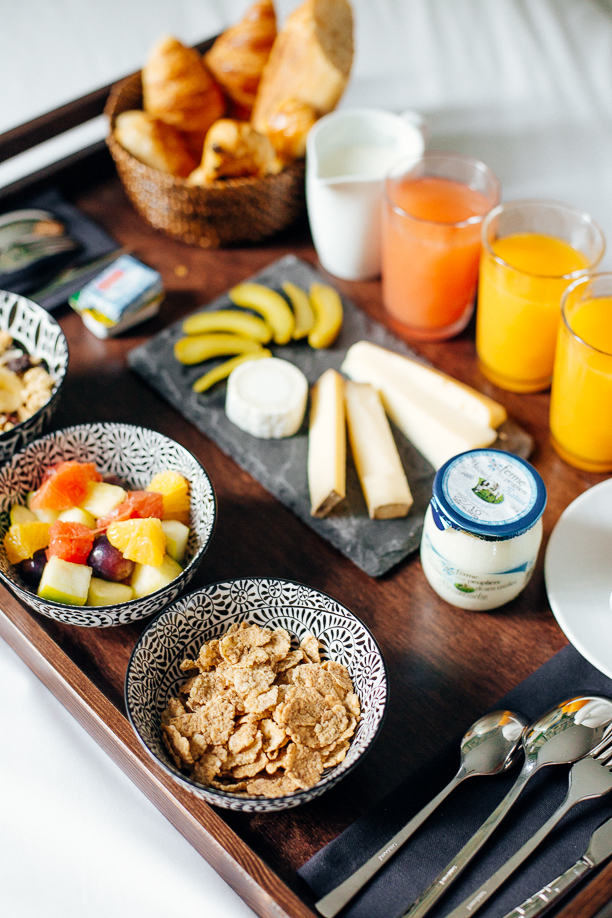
[153,672]
[135,454]
[33,329]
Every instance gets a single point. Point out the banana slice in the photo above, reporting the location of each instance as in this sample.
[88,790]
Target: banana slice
[197,348]
[223,370]
[327,307]
[302,310]
[270,304]
[228,320]
[11,388]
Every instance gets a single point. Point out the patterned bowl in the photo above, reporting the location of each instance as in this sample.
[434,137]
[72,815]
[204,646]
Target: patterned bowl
[38,333]
[134,454]
[153,672]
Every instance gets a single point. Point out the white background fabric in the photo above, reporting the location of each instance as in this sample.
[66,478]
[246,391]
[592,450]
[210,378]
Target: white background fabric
[525,85]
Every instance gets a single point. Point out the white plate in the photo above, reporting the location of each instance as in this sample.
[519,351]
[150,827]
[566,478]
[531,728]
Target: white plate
[578,573]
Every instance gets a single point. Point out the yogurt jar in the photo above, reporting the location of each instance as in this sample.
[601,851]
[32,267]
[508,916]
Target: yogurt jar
[483,528]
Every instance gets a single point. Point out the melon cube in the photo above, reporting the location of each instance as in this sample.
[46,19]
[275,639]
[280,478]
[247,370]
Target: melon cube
[45,516]
[65,582]
[78,515]
[146,579]
[177,535]
[102,497]
[107,593]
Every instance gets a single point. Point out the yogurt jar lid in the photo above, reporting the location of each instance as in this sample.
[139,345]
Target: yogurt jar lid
[489,493]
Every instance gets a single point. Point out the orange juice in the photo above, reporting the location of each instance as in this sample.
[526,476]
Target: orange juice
[529,258]
[581,398]
[430,253]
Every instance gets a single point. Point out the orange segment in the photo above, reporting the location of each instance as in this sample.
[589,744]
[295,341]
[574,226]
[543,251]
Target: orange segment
[142,541]
[23,539]
[175,491]
[65,487]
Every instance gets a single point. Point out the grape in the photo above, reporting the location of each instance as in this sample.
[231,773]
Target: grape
[31,569]
[116,480]
[108,562]
[19,364]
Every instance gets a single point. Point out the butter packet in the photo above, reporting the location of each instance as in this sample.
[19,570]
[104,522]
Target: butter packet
[125,293]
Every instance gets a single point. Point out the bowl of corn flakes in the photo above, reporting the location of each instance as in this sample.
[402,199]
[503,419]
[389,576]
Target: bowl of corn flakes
[140,513]
[33,364]
[256,695]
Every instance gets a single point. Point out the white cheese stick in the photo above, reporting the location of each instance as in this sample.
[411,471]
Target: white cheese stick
[363,357]
[327,444]
[437,430]
[377,460]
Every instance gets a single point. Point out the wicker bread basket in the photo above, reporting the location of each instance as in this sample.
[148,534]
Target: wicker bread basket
[235,210]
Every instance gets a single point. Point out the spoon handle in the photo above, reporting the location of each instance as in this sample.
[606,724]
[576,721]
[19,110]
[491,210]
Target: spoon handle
[331,903]
[452,870]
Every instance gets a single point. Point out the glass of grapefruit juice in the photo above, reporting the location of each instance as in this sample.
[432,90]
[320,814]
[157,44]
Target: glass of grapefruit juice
[532,251]
[432,217]
[581,396]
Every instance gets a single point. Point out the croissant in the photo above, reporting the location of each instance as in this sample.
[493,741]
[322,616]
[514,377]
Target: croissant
[237,58]
[178,89]
[154,143]
[287,125]
[310,60]
[233,149]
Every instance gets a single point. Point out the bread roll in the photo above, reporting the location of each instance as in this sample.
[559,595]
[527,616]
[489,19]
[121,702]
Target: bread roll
[234,149]
[287,125]
[237,58]
[310,60]
[154,143]
[178,89]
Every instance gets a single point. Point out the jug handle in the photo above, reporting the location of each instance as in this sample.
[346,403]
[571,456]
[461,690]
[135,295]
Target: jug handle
[417,120]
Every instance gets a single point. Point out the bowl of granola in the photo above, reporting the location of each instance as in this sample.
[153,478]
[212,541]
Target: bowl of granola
[33,364]
[256,695]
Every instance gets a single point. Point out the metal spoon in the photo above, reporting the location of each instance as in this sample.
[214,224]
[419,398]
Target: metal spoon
[489,747]
[564,734]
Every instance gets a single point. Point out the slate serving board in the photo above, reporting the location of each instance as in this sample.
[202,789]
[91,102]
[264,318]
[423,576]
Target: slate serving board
[280,465]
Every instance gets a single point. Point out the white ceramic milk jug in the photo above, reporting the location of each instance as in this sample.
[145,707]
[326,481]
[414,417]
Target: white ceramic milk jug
[348,154]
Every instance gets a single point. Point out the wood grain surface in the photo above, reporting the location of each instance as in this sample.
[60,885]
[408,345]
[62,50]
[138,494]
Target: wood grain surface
[446,666]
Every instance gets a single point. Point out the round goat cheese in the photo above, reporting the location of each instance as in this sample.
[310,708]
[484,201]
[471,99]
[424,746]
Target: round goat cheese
[267,398]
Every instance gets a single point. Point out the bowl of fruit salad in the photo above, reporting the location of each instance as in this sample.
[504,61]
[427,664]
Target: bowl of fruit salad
[33,364]
[103,524]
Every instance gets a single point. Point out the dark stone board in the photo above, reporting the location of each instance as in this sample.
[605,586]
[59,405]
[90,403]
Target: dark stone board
[280,465]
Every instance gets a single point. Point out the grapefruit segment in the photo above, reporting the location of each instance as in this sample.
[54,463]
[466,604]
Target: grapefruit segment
[66,487]
[70,541]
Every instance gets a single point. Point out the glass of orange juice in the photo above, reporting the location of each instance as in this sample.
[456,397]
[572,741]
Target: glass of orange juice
[432,216]
[532,250]
[581,396]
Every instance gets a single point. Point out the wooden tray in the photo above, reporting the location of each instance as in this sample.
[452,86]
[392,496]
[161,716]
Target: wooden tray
[445,666]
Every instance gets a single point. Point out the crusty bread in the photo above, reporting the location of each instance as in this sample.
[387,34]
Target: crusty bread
[178,89]
[234,149]
[154,143]
[239,55]
[310,61]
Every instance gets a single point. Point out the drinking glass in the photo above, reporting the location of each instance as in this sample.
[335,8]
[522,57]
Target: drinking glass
[432,217]
[532,250]
[581,397]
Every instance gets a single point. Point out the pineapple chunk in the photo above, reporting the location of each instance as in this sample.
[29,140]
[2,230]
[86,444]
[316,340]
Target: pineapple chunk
[102,497]
[106,593]
[146,579]
[23,539]
[175,491]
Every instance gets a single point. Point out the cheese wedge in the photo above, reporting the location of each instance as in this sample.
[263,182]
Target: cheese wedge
[377,460]
[327,444]
[437,430]
[474,405]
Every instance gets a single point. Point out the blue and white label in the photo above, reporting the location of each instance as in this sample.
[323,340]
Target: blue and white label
[490,487]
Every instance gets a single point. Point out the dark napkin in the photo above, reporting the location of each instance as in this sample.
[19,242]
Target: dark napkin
[444,834]
[95,248]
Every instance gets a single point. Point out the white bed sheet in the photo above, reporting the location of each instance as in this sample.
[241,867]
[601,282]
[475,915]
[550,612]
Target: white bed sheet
[526,85]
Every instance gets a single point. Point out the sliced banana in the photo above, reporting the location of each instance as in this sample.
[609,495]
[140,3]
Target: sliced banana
[223,370]
[270,304]
[228,320]
[11,388]
[327,307]
[197,348]
[302,310]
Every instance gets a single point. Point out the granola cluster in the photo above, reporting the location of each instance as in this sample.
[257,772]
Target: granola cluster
[25,385]
[258,717]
